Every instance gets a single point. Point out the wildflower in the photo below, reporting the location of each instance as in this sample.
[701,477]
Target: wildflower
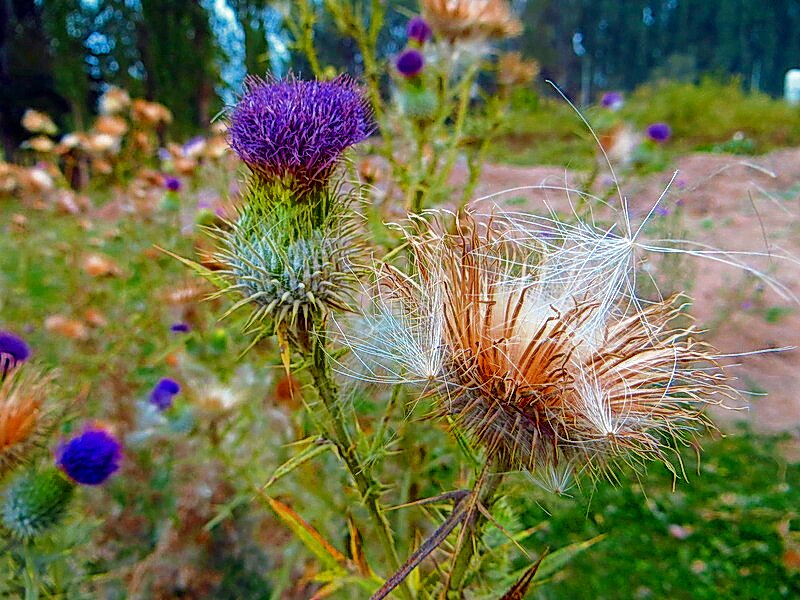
[471,19]
[35,501]
[38,122]
[91,457]
[530,346]
[659,132]
[99,265]
[513,70]
[612,100]
[113,126]
[297,131]
[410,62]
[172,184]
[180,328]
[13,350]
[161,396]
[25,419]
[40,143]
[418,30]
[151,114]
[114,100]
[194,147]
[69,328]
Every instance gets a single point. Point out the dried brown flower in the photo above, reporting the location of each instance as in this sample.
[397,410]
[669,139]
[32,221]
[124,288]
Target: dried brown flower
[471,19]
[514,70]
[531,349]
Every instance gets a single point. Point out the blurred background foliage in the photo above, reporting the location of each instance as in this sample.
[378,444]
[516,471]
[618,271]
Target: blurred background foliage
[59,55]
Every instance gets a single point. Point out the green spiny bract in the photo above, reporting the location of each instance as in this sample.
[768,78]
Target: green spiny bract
[294,261]
[35,501]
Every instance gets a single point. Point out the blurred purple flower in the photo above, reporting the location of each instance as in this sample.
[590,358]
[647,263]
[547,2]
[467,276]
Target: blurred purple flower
[180,328]
[659,132]
[164,154]
[91,457]
[746,305]
[410,62]
[161,396]
[173,184]
[661,211]
[193,145]
[298,129]
[612,100]
[418,30]
[13,346]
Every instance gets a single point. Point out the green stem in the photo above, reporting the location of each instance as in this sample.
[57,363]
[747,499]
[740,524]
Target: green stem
[486,485]
[368,488]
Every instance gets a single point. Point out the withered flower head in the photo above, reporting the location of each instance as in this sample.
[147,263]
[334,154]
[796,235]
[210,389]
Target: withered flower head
[38,122]
[25,419]
[513,70]
[471,19]
[531,348]
[114,100]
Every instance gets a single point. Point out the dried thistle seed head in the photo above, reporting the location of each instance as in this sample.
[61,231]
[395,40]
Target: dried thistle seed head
[26,420]
[469,20]
[514,70]
[529,357]
[297,131]
[293,262]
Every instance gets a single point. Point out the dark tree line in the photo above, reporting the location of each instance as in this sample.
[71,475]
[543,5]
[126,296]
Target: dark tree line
[57,55]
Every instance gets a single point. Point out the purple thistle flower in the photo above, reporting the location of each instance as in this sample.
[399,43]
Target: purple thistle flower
[173,184]
[661,211]
[659,132]
[612,100]
[13,350]
[418,30]
[298,130]
[91,457]
[410,62]
[180,328]
[161,396]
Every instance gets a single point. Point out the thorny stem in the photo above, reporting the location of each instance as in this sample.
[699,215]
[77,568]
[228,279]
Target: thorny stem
[320,369]
[485,489]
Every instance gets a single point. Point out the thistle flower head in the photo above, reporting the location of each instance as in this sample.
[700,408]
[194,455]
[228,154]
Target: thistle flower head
[292,262]
[35,502]
[471,19]
[538,358]
[612,100]
[172,184]
[297,131]
[659,132]
[163,393]
[418,30]
[25,418]
[91,457]
[410,62]
[13,350]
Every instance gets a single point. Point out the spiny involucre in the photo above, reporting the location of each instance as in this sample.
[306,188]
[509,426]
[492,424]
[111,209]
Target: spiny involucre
[35,501]
[532,348]
[297,131]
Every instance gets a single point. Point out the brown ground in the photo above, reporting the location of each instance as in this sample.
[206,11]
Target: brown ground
[732,203]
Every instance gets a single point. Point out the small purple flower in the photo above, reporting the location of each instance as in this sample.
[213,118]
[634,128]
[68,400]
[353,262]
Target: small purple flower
[13,347]
[418,30]
[659,132]
[161,396]
[194,146]
[180,328]
[173,184]
[612,100]
[91,457]
[298,130]
[410,62]
[661,211]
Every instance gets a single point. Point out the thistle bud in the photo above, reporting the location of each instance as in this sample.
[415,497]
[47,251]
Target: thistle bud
[35,502]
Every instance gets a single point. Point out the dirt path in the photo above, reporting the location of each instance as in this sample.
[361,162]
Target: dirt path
[732,203]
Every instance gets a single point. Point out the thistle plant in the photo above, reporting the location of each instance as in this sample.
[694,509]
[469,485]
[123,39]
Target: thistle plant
[433,116]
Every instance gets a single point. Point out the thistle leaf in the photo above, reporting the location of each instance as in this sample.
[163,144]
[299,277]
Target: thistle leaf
[315,448]
[311,538]
[520,588]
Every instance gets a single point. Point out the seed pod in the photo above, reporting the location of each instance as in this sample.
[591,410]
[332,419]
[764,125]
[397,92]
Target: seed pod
[35,502]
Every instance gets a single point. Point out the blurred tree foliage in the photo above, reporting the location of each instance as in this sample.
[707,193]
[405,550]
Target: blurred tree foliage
[58,55]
